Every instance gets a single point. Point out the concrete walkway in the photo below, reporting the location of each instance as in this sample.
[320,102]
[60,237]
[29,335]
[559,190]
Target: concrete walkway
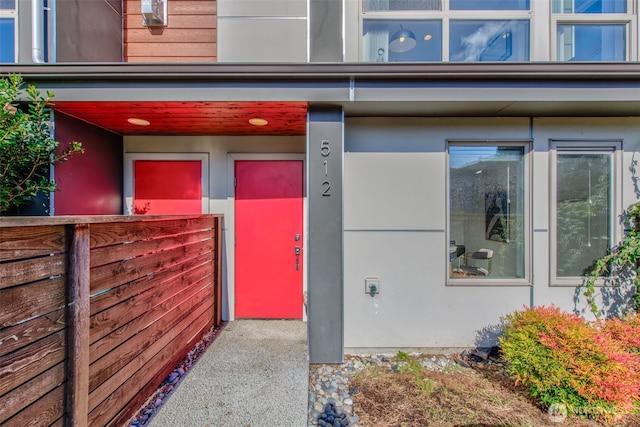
[254,374]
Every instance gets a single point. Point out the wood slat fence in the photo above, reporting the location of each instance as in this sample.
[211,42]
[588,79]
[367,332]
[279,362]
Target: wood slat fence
[96,311]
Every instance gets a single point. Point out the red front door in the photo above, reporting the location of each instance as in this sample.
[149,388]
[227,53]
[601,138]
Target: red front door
[268,225]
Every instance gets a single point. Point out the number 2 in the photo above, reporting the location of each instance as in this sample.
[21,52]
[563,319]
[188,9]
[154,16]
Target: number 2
[327,189]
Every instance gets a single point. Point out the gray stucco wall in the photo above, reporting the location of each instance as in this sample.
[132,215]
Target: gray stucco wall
[260,31]
[395,215]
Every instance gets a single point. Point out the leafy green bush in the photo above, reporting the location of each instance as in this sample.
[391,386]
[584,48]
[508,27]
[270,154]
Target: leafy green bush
[623,259]
[591,368]
[26,146]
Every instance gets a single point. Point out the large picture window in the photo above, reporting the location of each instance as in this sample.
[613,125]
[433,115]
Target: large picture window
[583,183]
[487,212]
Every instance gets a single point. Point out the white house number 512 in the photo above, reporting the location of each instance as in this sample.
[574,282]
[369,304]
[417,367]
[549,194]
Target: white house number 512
[325,150]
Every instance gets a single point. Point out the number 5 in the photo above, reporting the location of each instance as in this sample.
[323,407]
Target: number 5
[324,148]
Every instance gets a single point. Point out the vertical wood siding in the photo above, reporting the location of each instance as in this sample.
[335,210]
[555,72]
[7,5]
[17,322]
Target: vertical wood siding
[190,36]
[98,315]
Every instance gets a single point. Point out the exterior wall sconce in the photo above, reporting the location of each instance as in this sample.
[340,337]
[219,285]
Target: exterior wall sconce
[402,41]
[154,13]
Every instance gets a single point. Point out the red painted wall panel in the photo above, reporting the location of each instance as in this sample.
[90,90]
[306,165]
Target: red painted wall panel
[167,187]
[89,183]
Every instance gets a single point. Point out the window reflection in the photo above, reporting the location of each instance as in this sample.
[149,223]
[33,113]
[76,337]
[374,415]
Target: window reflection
[591,42]
[7,36]
[489,41]
[7,4]
[589,6]
[583,211]
[371,5]
[378,41]
[486,211]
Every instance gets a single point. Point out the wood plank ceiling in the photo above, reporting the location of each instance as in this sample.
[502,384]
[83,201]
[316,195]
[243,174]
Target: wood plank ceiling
[191,118]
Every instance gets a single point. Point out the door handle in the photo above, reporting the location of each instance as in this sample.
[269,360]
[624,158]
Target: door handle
[297,258]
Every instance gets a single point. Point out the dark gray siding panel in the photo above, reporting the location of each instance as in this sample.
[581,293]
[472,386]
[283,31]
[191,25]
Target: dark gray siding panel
[325,293]
[89,31]
[326,31]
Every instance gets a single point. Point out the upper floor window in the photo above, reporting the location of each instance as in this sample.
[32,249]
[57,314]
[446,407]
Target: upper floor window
[7,31]
[369,5]
[480,40]
[592,42]
[589,6]
[593,30]
[489,5]
[372,5]
[402,41]
[445,30]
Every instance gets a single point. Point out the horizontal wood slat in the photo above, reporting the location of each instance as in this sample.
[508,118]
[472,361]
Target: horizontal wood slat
[115,274]
[172,49]
[20,335]
[29,392]
[20,303]
[174,59]
[27,242]
[109,332]
[104,390]
[206,118]
[156,283]
[104,412]
[20,366]
[109,254]
[179,7]
[171,35]
[190,33]
[156,380]
[112,234]
[195,22]
[19,272]
[45,411]
[177,272]
[104,367]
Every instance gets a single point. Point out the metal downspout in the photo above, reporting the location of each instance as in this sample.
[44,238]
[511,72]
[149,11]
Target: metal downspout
[37,31]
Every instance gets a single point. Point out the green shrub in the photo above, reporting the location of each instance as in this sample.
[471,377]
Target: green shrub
[27,148]
[591,368]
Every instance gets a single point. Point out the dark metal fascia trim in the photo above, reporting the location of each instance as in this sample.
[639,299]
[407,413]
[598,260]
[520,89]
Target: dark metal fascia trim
[328,71]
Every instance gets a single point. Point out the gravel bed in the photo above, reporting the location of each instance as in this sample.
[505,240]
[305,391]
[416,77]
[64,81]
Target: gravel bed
[330,393]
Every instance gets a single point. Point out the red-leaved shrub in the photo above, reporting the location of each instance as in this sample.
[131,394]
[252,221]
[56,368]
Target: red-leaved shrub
[591,368]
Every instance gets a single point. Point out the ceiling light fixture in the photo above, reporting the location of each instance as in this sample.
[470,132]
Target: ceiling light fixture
[257,121]
[138,122]
[402,41]
[428,37]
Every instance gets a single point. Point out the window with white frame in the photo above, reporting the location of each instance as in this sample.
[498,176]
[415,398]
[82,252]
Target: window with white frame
[592,30]
[445,30]
[583,207]
[8,31]
[487,212]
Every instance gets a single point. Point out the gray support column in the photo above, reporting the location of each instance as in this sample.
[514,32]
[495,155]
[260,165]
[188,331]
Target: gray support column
[324,250]
[325,28]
